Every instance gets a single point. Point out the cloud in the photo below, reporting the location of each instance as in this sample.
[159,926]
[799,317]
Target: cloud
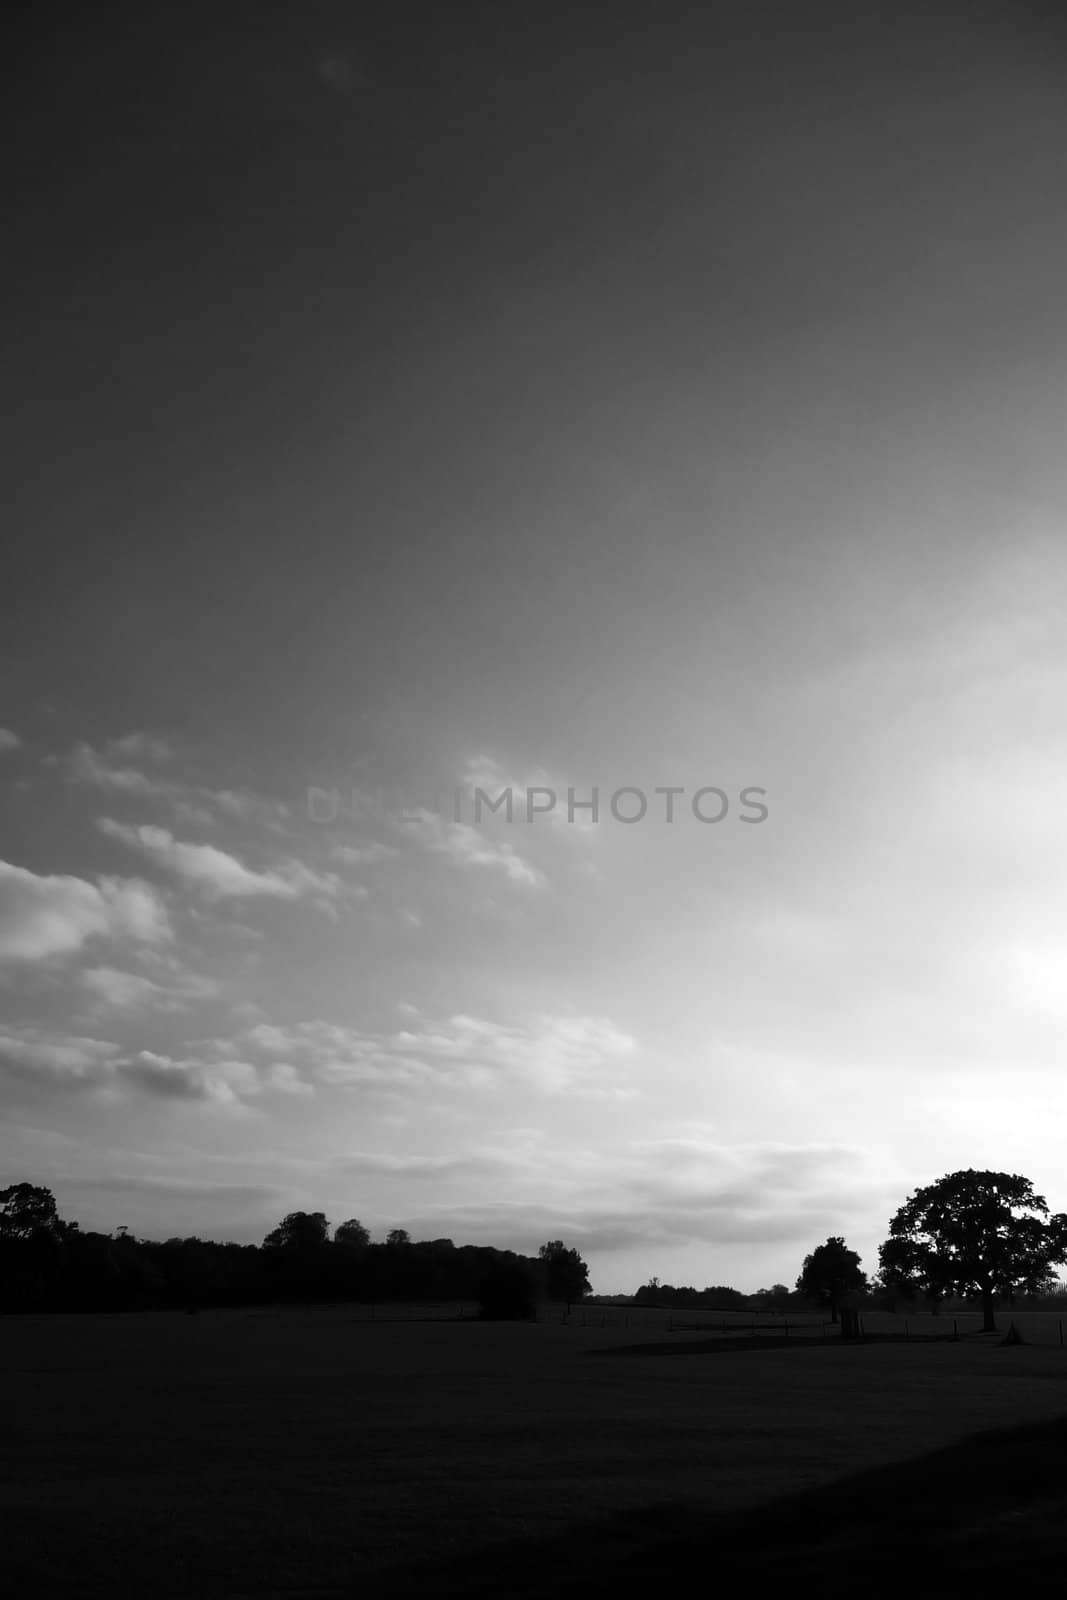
[662,1195]
[62,1058]
[217,874]
[140,1184]
[143,746]
[362,855]
[285,1079]
[478,1164]
[247,807]
[484,773]
[54,915]
[162,1206]
[90,766]
[50,1060]
[659,1226]
[551,1055]
[9,739]
[180,1080]
[110,769]
[220,1077]
[465,846]
[131,992]
[223,1082]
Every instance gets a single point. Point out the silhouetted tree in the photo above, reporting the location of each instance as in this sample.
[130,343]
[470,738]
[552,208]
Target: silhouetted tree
[975,1233]
[566,1274]
[885,1291]
[300,1230]
[830,1273]
[397,1238]
[508,1291]
[351,1234]
[777,1298]
[721,1294]
[26,1210]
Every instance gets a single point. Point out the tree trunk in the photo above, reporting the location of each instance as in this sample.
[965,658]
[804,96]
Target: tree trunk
[989,1324]
[833,1310]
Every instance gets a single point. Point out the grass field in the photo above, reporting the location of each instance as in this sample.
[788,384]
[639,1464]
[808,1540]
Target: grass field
[312,1452]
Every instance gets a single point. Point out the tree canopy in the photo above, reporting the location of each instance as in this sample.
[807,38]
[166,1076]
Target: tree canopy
[566,1274]
[300,1230]
[352,1234]
[974,1233]
[830,1274]
[26,1210]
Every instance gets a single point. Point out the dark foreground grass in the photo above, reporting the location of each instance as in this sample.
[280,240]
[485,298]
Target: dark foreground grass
[305,1452]
[992,1508]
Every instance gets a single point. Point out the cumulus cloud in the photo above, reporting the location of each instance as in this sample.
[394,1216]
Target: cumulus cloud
[465,846]
[217,874]
[9,739]
[42,916]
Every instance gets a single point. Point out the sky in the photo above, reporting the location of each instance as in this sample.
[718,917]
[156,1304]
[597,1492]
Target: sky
[410,400]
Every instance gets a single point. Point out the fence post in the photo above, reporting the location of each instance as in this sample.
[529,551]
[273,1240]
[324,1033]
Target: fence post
[955,1329]
[1061,1330]
[907,1334]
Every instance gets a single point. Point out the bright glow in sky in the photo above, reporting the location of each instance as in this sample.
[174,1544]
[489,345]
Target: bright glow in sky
[407,403]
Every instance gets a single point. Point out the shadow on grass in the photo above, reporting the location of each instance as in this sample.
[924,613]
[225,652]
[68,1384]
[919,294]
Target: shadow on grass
[723,1344]
[718,1344]
[979,1508]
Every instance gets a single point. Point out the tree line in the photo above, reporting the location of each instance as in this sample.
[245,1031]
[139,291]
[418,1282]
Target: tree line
[49,1264]
[978,1237]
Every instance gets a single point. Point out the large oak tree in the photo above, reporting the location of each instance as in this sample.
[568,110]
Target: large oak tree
[981,1234]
